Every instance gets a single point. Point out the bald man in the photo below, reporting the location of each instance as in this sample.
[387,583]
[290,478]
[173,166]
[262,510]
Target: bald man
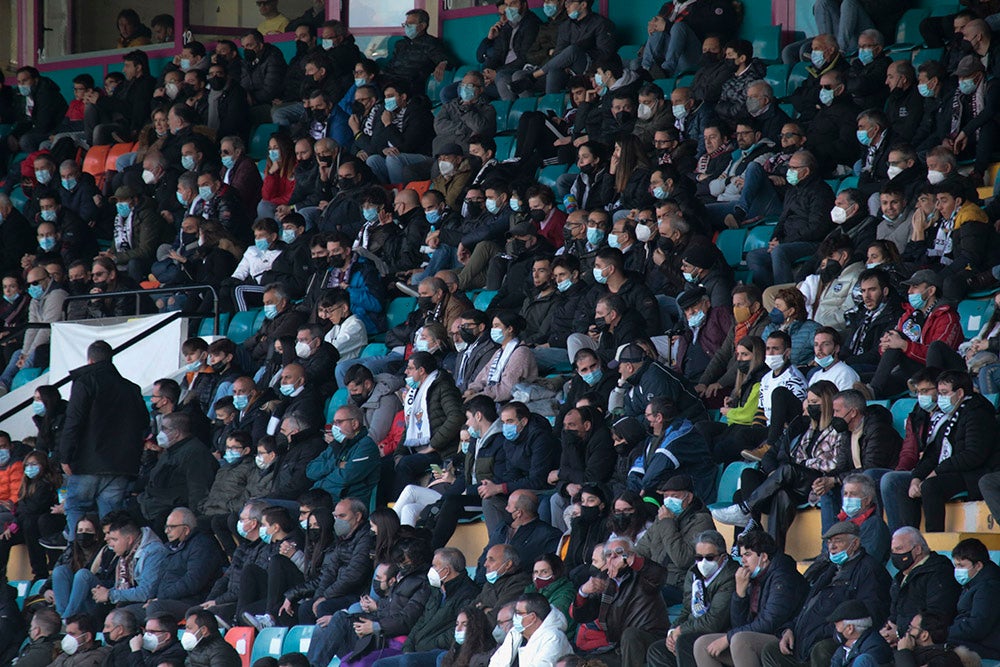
[527,534]
[46,306]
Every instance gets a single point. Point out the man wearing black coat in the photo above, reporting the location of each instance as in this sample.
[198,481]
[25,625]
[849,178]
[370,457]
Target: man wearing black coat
[925,582]
[806,98]
[304,444]
[866,75]
[126,112]
[102,437]
[767,115]
[38,113]
[587,455]
[512,269]
[300,396]
[434,631]
[474,330]
[905,105]
[530,536]
[878,313]
[831,131]
[17,238]
[501,43]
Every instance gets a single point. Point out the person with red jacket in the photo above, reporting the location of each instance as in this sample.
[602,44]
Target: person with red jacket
[927,334]
[548,219]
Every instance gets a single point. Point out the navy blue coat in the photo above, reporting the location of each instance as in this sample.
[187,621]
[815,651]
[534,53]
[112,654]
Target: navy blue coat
[782,592]
[190,569]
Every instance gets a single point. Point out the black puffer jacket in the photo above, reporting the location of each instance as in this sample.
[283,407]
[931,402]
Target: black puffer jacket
[929,587]
[190,569]
[781,591]
[880,443]
[290,475]
[264,78]
[806,213]
[970,430]
[415,59]
[564,313]
[525,462]
[347,568]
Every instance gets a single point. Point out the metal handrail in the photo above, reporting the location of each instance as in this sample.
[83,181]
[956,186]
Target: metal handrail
[127,344]
[138,294]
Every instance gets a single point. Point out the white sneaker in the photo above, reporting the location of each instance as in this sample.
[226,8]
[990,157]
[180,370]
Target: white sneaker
[407,289]
[732,516]
[259,621]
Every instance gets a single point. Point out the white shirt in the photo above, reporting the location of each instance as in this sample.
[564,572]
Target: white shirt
[791,379]
[255,263]
[349,337]
[840,374]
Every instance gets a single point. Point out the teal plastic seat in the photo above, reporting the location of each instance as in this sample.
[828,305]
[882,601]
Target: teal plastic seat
[459,75]
[518,108]
[884,403]
[730,483]
[433,86]
[900,410]
[205,328]
[337,401]
[374,350]
[18,198]
[973,314]
[777,77]
[848,182]
[399,309]
[766,41]
[796,76]
[269,642]
[666,85]
[502,108]
[924,55]
[758,237]
[908,30]
[24,376]
[554,102]
[22,588]
[629,52]
[548,175]
[730,242]
[242,325]
[298,639]
[685,81]
[484,298]
[258,142]
[505,148]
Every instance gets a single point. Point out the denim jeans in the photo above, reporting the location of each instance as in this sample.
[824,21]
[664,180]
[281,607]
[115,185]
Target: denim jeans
[8,373]
[550,358]
[289,114]
[421,659]
[758,198]
[72,590]
[844,19]
[775,267]
[989,379]
[900,509]
[381,363]
[401,168]
[334,639]
[444,258]
[87,493]
[675,52]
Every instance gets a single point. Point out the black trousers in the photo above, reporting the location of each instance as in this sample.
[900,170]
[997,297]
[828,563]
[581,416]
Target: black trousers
[280,576]
[659,656]
[779,496]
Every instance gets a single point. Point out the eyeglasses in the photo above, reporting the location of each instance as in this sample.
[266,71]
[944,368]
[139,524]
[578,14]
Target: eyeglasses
[709,557]
[790,135]
[34,283]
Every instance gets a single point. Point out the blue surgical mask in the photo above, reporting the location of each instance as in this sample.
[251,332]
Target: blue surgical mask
[689,277]
[327,43]
[509,431]
[962,575]
[370,214]
[265,537]
[288,235]
[42,176]
[337,433]
[466,93]
[925,90]
[824,362]
[496,335]
[47,243]
[38,408]
[412,383]
[593,378]
[660,193]
[433,216]
[927,402]
[69,183]
[185,63]
[564,285]
[492,576]
[193,366]
[232,456]
[851,506]
[287,389]
[162,439]
[675,505]
[228,161]
[817,58]
[261,244]
[181,200]
[916,300]
[598,80]
[680,111]
[270,311]
[464,446]
[421,345]
[187,161]
[474,432]
[613,241]
[945,403]
[826,96]
[599,276]
[241,401]
[273,154]
[864,138]
[513,14]
[241,529]
[776,316]
[866,56]
[24,90]
[122,209]
[491,205]
[515,204]
[792,176]
[840,557]
[49,215]
[460,634]
[31,471]
[391,104]
[873,265]
[697,319]
[410,30]
[35,291]
[358,82]
[594,235]
[756,572]
[967,86]
[205,191]
[550,10]
[575,14]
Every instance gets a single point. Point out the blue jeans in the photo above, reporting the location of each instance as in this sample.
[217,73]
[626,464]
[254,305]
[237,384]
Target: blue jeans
[380,364]
[87,493]
[401,168]
[675,52]
[8,373]
[775,267]
[289,114]
[989,379]
[421,659]
[900,509]
[844,19]
[72,590]
[334,639]
[444,258]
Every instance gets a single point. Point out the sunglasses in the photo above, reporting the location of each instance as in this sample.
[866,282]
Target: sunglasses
[710,558]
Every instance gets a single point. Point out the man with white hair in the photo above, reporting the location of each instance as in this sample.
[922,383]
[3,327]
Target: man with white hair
[860,643]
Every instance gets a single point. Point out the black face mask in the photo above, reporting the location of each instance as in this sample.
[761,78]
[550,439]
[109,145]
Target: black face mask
[590,514]
[337,261]
[325,159]
[538,215]
[567,234]
[588,169]
[345,183]
[730,63]
[815,412]
[217,82]
[301,48]
[710,58]
[516,247]
[902,561]
[359,399]
[86,540]
[600,324]
[320,263]
[313,534]
[830,272]
[743,367]
[624,117]
[187,239]
[473,208]
[425,303]
[187,89]
[220,366]
[620,521]
[468,335]
[665,245]
[596,572]
[839,424]
[78,284]
[320,115]
[358,109]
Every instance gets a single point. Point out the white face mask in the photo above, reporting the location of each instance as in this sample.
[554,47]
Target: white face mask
[935,177]
[148,177]
[774,361]
[189,641]
[894,171]
[69,645]
[302,350]
[708,567]
[150,642]
[643,233]
[838,214]
[445,167]
[645,112]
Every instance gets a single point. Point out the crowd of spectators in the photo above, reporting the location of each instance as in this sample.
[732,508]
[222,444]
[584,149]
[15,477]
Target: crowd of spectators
[615,363]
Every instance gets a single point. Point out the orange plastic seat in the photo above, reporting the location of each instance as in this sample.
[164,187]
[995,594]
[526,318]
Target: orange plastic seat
[241,639]
[95,161]
[420,186]
[111,162]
